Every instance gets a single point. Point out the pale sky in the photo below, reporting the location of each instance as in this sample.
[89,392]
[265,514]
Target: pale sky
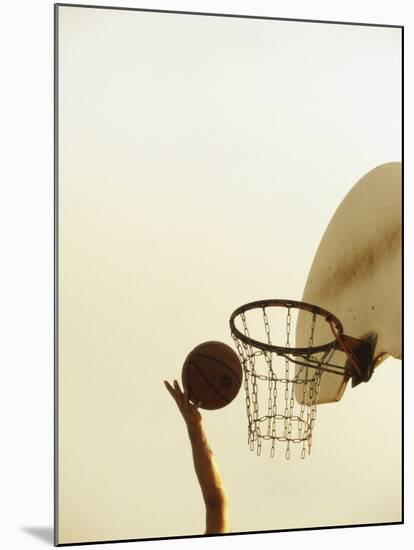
[200,160]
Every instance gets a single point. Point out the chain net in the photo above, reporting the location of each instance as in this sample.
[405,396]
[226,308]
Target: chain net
[270,380]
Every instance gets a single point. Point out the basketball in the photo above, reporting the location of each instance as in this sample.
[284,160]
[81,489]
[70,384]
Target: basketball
[212,374]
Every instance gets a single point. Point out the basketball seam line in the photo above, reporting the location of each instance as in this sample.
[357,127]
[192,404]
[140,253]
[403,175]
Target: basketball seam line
[208,382]
[221,363]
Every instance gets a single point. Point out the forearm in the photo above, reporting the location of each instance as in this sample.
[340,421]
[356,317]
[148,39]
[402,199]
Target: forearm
[205,466]
[211,484]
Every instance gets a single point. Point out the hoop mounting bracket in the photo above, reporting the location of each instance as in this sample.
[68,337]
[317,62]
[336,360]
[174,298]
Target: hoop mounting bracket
[360,363]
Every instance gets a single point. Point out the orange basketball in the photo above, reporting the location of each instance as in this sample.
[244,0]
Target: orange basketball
[212,374]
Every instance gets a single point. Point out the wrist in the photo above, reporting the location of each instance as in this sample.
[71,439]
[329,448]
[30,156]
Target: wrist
[194,426]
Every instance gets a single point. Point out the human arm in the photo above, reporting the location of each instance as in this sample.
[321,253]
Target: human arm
[209,478]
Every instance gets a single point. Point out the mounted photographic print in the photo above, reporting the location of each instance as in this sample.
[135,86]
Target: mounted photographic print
[228,274]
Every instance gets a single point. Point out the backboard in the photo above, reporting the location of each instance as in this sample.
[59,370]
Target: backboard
[356,273]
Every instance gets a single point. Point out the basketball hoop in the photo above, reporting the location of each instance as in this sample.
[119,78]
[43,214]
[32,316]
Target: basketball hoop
[287,378]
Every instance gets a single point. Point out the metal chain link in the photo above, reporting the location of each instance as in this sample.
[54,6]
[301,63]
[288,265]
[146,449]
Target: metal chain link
[265,372]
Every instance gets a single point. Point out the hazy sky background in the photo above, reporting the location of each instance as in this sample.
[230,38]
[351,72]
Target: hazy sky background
[200,160]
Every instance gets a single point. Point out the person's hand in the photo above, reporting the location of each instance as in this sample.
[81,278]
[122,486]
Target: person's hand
[188,410]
